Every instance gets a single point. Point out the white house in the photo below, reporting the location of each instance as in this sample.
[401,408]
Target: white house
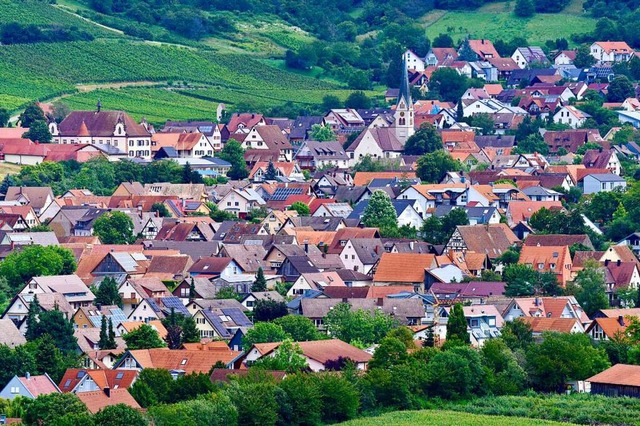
[526,56]
[602,182]
[378,143]
[570,116]
[361,254]
[611,51]
[413,61]
[240,201]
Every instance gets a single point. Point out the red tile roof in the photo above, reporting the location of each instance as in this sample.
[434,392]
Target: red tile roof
[97,400]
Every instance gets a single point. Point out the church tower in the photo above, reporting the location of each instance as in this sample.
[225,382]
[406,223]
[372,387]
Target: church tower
[403,123]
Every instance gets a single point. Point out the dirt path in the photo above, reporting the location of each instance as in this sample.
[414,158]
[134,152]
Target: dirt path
[66,10]
[83,88]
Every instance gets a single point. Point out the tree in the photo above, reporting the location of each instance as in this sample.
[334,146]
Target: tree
[438,230]
[330,102]
[379,212]
[505,376]
[358,100]
[548,221]
[269,309]
[523,280]
[442,40]
[425,140]
[263,332]
[524,8]
[583,57]
[271,173]
[31,114]
[4,117]
[107,293]
[389,353]
[190,332]
[189,175]
[533,143]
[304,397]
[114,228]
[321,133]
[620,89]
[153,386]
[457,325]
[143,337]
[119,415]
[466,53]
[591,289]
[174,331]
[38,132]
[216,409]
[339,398]
[301,208]
[298,327]
[161,209]
[430,341]
[103,343]
[111,343]
[56,325]
[32,319]
[483,122]
[36,261]
[517,334]
[51,408]
[562,357]
[233,153]
[260,284]
[468,380]
[287,357]
[433,167]
[363,327]
[448,83]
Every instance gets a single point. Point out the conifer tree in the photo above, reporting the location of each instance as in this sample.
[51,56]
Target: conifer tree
[103,343]
[430,340]
[174,331]
[112,336]
[260,283]
[32,320]
[190,333]
[457,325]
[271,173]
[192,289]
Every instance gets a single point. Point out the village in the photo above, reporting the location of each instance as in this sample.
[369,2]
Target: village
[504,219]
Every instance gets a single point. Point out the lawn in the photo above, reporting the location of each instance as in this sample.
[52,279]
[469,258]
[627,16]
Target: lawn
[445,418]
[9,169]
[497,21]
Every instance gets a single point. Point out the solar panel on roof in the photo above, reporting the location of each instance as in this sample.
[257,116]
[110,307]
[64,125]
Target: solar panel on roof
[281,194]
[215,320]
[237,316]
[152,303]
[176,304]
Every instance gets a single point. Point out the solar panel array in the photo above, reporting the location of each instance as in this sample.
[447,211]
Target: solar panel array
[217,324]
[153,305]
[175,303]
[116,317]
[281,194]
[238,317]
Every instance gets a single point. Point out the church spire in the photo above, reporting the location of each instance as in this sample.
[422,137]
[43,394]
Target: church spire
[405,90]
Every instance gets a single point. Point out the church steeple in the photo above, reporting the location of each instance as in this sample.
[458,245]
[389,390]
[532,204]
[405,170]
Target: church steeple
[404,108]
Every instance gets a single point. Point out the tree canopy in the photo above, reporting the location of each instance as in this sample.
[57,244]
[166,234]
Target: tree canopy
[114,228]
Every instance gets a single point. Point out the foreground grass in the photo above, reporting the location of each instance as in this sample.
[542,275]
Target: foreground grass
[578,408]
[445,418]
[497,21]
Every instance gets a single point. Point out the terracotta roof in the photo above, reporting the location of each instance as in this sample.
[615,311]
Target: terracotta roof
[614,46]
[113,379]
[247,120]
[364,178]
[97,400]
[100,124]
[610,326]
[619,374]
[403,267]
[561,325]
[39,385]
[343,292]
[484,48]
[490,239]
[346,234]
[323,351]
[180,141]
[211,265]
[188,361]
[521,211]
[224,375]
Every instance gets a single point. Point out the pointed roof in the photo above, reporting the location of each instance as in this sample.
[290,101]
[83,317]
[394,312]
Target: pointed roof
[83,130]
[405,90]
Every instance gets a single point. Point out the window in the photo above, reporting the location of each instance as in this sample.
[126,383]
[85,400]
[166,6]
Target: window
[15,389]
[540,265]
[474,323]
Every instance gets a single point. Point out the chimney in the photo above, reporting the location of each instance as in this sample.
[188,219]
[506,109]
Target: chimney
[536,301]
[107,391]
[606,262]
[621,320]
[27,375]
[411,245]
[306,246]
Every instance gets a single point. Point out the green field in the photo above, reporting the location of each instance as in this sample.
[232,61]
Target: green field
[497,21]
[445,418]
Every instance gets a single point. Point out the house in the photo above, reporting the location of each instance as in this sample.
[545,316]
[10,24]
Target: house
[483,323]
[361,254]
[29,387]
[209,129]
[318,353]
[570,140]
[315,281]
[286,170]
[602,159]
[177,362]
[38,197]
[441,56]
[220,323]
[492,240]
[611,51]
[570,116]
[555,259]
[633,241]
[113,128]
[18,307]
[71,287]
[313,155]
[344,120]
[250,299]
[403,269]
[413,61]
[602,329]
[547,240]
[79,380]
[240,124]
[9,334]
[540,325]
[540,193]
[341,210]
[241,201]
[185,145]
[545,307]
[379,143]
[565,57]
[215,267]
[483,48]
[97,400]
[619,380]
[521,211]
[525,57]
[594,183]
[476,292]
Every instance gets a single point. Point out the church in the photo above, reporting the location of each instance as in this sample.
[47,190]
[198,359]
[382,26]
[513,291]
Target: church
[383,139]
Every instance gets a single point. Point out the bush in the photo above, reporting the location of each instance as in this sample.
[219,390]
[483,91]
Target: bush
[340,399]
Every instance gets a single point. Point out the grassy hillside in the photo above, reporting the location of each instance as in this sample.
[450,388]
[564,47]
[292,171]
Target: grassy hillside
[496,20]
[445,418]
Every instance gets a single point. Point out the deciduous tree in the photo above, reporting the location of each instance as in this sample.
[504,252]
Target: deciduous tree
[380,212]
[433,167]
[457,325]
[143,337]
[114,228]
[233,153]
